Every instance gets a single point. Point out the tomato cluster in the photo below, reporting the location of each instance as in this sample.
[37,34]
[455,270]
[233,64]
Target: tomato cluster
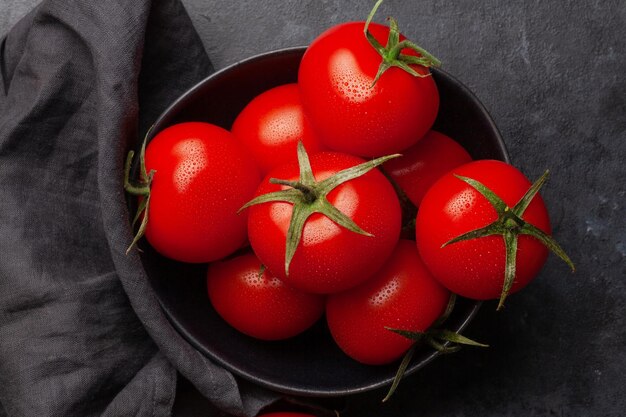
[297,208]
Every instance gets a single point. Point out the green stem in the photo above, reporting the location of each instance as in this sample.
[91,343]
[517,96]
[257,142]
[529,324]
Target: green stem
[442,340]
[432,61]
[391,53]
[308,196]
[309,193]
[131,188]
[142,189]
[135,190]
[406,360]
[510,225]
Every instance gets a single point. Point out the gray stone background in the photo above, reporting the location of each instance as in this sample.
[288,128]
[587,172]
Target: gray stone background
[553,75]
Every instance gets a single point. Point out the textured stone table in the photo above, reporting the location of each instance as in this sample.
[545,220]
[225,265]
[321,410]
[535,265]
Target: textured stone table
[552,75]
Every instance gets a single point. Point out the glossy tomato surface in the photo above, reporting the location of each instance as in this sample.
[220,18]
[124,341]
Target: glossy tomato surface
[202,177]
[351,115]
[258,304]
[401,295]
[329,257]
[424,163]
[271,125]
[475,268]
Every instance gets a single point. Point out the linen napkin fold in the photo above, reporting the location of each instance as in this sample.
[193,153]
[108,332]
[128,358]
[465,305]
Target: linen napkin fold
[81,331]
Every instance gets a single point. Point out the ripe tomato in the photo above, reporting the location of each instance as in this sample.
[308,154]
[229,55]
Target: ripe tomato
[475,268]
[271,125]
[401,295]
[329,257]
[422,164]
[258,304]
[351,115]
[202,176]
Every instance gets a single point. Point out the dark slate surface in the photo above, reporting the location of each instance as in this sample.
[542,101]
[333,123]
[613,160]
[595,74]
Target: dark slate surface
[552,75]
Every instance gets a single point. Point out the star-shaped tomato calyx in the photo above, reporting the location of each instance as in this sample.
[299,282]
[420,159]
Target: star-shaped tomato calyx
[440,339]
[308,196]
[392,52]
[510,225]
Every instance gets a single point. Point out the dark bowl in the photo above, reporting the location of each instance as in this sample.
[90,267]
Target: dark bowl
[309,364]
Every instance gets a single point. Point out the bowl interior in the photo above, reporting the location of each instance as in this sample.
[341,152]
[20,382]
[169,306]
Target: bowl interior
[309,364]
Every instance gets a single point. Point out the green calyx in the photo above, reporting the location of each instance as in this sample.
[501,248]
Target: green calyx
[392,53]
[308,196]
[442,340]
[510,225]
[140,187]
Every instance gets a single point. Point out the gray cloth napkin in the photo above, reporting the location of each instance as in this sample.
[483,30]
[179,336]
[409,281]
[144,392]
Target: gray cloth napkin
[81,332]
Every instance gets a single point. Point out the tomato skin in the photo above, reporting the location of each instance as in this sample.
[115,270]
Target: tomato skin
[335,78]
[475,268]
[202,177]
[271,125]
[424,163]
[329,257]
[401,295]
[260,305]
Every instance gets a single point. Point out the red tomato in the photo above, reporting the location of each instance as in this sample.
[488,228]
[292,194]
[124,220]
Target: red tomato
[401,295]
[424,163]
[335,79]
[329,257]
[271,125]
[475,268]
[258,304]
[202,177]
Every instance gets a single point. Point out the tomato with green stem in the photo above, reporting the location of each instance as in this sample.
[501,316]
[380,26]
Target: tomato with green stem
[193,177]
[364,98]
[484,232]
[401,295]
[324,224]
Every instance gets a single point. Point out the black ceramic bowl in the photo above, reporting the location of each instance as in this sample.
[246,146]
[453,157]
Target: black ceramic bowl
[310,364]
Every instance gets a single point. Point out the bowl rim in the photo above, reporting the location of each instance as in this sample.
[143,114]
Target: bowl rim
[276,386]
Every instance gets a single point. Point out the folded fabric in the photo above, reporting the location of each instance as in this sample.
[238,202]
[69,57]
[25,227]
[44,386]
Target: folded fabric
[81,331]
